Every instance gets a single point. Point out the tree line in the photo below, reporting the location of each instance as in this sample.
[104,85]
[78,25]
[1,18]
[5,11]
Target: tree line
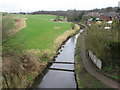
[77,13]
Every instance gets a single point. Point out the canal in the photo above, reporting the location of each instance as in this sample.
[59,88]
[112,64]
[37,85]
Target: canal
[61,73]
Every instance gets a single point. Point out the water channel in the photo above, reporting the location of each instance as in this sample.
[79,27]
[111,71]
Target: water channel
[61,73]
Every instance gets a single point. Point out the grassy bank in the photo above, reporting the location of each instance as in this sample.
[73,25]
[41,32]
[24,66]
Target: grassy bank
[25,54]
[84,79]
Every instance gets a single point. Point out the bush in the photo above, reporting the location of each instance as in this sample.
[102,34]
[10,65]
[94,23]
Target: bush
[116,24]
[105,45]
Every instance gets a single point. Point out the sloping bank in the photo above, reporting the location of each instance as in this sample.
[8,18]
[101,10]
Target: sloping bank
[19,71]
[84,78]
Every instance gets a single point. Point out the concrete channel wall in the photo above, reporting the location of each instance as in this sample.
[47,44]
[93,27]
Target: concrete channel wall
[95,60]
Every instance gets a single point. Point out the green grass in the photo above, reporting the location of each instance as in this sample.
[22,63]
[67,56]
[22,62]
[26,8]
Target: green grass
[39,33]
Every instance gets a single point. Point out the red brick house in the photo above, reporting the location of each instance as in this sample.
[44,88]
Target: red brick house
[105,18]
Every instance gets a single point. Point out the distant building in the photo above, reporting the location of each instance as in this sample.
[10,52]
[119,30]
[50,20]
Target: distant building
[94,14]
[107,16]
[103,16]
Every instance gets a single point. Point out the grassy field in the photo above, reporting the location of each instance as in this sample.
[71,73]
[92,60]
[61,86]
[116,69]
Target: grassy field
[39,36]
[40,32]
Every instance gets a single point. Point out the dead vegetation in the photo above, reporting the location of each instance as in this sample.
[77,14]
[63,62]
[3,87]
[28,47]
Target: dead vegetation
[33,51]
[59,40]
[23,68]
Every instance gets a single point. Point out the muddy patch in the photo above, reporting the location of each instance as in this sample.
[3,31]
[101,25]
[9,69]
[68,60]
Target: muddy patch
[56,27]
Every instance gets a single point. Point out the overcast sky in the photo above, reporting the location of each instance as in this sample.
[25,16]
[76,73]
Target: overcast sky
[35,5]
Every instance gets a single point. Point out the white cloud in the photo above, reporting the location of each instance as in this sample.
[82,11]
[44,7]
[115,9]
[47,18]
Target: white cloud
[34,5]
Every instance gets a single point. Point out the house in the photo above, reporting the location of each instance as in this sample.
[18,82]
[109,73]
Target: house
[108,16]
[94,14]
[93,20]
[103,17]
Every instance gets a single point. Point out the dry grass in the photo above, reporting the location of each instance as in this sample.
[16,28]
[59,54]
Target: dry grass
[56,27]
[19,25]
[76,27]
[23,68]
[59,40]
[33,51]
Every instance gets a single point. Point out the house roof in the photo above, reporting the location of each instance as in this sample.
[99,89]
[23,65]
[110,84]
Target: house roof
[108,14]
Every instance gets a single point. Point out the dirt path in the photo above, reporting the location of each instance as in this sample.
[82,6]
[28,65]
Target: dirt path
[92,70]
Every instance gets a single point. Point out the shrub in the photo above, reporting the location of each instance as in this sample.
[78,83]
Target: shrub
[105,45]
[116,24]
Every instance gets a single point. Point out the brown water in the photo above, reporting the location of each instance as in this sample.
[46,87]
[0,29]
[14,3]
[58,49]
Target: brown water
[61,75]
